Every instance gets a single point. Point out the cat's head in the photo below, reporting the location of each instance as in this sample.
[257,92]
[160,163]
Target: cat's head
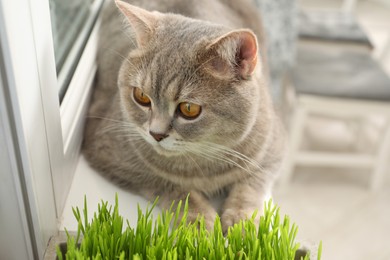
[189,82]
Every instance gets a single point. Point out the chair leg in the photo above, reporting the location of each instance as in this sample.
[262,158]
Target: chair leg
[383,158]
[295,138]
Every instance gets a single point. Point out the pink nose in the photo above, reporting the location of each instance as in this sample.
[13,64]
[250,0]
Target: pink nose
[158,137]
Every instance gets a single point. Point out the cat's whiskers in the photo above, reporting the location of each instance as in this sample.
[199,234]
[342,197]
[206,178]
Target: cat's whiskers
[112,128]
[222,152]
[110,119]
[115,129]
[118,126]
[132,139]
[199,152]
[209,154]
[196,164]
[233,153]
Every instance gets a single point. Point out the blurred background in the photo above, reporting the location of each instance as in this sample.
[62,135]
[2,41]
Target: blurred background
[332,89]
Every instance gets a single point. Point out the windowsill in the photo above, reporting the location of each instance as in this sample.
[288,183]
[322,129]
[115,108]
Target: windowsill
[90,183]
[96,188]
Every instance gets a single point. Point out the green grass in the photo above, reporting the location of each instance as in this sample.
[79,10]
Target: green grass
[171,237]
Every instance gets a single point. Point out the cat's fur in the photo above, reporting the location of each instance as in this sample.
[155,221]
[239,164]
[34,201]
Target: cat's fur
[194,51]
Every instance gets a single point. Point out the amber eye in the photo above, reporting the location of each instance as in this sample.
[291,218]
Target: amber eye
[189,110]
[140,97]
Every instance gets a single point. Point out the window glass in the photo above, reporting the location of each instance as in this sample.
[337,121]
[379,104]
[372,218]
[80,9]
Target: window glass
[72,21]
[67,17]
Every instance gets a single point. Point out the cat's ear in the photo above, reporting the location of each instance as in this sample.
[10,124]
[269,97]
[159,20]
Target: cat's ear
[143,22]
[234,53]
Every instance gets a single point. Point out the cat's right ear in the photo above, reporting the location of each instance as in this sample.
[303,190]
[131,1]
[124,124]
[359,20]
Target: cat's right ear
[143,22]
[233,55]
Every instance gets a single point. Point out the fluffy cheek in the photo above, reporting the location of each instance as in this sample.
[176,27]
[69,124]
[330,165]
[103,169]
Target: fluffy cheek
[229,124]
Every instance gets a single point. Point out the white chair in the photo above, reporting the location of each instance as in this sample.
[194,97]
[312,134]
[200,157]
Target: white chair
[339,79]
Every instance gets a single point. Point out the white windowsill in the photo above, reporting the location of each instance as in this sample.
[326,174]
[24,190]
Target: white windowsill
[96,188]
[88,182]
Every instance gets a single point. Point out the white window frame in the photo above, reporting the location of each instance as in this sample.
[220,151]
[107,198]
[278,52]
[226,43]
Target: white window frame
[48,135]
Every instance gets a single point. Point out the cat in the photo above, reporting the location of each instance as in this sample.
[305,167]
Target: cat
[181,105]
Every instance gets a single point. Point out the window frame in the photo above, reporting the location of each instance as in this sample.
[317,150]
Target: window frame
[47,135]
[16,241]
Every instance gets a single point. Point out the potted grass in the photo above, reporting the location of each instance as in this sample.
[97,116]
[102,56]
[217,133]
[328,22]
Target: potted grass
[170,236]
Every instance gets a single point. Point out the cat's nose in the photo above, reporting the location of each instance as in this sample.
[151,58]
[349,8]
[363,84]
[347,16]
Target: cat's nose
[158,137]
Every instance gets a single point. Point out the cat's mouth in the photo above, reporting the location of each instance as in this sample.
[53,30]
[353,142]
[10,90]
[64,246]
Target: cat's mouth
[167,147]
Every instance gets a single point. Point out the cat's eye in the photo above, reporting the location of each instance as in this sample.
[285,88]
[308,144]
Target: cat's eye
[189,110]
[141,97]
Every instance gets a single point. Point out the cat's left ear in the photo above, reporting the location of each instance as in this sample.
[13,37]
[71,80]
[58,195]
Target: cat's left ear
[234,53]
[142,21]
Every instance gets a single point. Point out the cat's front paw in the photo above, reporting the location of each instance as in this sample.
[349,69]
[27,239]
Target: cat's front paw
[232,216]
[209,218]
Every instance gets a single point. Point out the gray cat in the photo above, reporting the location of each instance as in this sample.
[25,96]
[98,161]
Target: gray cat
[181,105]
